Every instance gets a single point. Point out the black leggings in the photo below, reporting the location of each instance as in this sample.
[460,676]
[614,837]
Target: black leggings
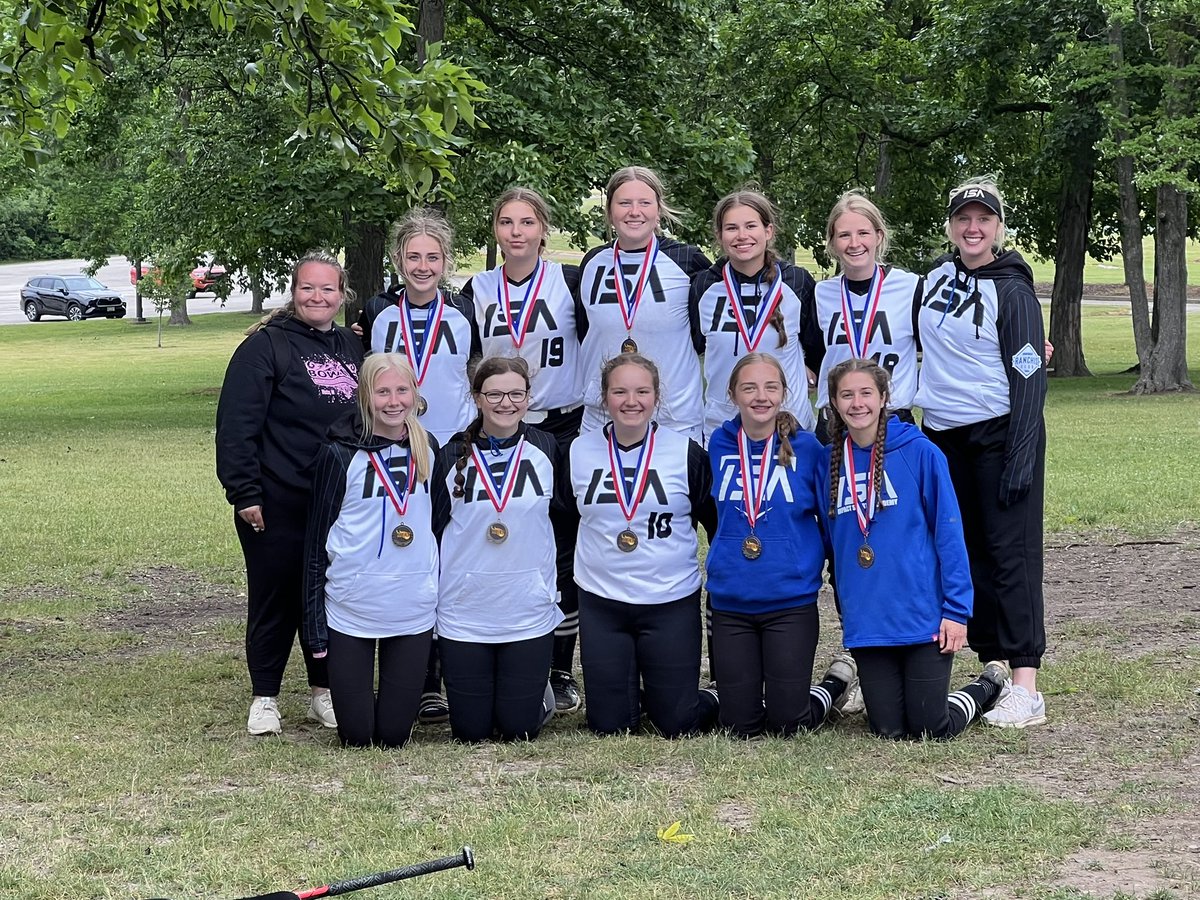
[274,598]
[624,646]
[905,689]
[496,687]
[364,717]
[1004,543]
[772,651]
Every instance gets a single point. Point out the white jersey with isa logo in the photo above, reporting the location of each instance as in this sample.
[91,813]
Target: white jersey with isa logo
[533,319]
[659,563]
[499,577]
[660,327]
[440,359]
[729,336]
[891,341]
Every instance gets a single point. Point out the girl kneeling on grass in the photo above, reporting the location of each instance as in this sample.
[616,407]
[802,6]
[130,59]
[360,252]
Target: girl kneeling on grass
[900,562]
[371,559]
[765,562]
[496,610]
[640,488]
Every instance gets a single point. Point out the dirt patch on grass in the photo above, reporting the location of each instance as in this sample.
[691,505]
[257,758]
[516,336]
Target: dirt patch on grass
[176,610]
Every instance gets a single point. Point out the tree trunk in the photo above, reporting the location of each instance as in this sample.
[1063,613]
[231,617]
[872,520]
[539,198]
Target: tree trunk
[1166,367]
[490,262]
[1074,219]
[258,291]
[364,264]
[179,312]
[431,25]
[1130,215]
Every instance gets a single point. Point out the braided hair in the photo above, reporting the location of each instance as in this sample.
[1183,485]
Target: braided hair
[838,429]
[786,425]
[765,209]
[483,370]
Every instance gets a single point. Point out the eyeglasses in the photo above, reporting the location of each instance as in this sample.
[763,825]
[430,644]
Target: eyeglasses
[495,397]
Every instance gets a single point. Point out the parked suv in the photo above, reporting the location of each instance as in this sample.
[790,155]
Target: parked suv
[74,296]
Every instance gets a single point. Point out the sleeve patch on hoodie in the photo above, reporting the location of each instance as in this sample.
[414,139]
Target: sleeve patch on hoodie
[1026,361]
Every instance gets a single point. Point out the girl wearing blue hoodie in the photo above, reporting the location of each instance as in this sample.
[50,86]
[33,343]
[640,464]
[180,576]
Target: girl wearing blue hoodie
[900,561]
[765,561]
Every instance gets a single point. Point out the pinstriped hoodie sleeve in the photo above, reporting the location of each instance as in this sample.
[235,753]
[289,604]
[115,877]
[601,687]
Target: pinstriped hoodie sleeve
[329,487]
[1021,332]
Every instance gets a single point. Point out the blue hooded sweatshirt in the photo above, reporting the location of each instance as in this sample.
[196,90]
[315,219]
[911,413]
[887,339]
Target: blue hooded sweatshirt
[921,574]
[788,573]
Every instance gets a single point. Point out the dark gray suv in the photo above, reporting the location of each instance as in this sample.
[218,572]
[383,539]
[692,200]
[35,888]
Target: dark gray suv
[74,296]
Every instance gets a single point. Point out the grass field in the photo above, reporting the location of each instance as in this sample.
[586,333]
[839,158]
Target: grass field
[127,773]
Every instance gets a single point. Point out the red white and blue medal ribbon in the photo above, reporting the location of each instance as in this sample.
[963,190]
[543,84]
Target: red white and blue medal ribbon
[858,334]
[629,305]
[518,324]
[499,492]
[629,495]
[754,494]
[399,500]
[864,511]
[753,335]
[420,355]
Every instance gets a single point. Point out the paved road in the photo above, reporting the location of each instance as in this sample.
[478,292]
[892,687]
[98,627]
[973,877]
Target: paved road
[115,275]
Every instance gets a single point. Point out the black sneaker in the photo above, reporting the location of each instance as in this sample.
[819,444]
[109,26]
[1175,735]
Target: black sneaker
[566,691]
[433,709]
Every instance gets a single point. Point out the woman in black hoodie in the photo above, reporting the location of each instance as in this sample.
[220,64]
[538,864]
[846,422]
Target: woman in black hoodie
[983,389]
[288,381]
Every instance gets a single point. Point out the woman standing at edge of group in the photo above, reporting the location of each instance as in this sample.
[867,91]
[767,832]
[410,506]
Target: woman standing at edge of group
[645,310]
[496,598]
[774,310]
[640,489]
[982,392]
[433,327]
[293,376]
[371,559]
[526,307]
[896,540]
[766,560]
[868,310]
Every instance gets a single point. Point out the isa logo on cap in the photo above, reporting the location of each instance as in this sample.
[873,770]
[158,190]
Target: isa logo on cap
[1026,361]
[973,194]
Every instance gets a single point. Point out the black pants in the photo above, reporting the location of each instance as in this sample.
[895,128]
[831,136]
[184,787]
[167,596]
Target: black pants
[905,689]
[624,646]
[275,606]
[565,429]
[768,658]
[367,717]
[1004,543]
[496,687]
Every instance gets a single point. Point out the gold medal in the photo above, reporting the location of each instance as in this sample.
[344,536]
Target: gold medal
[422,407]
[629,345]
[752,547]
[497,533]
[866,556]
[402,535]
[627,541]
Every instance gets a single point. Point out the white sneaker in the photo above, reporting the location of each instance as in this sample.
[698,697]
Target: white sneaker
[844,668]
[1017,709]
[264,717]
[320,709]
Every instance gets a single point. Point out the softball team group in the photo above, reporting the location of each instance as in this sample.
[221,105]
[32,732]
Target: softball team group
[475,481]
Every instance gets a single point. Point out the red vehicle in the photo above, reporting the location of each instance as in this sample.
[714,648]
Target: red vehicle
[204,278]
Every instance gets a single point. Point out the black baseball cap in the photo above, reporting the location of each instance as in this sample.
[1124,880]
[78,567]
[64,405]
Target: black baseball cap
[974,194]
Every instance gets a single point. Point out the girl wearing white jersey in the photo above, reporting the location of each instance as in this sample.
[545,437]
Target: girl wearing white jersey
[496,609]
[645,310]
[526,308]
[432,326]
[869,310]
[371,559]
[983,389]
[640,489]
[773,311]
[435,330]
